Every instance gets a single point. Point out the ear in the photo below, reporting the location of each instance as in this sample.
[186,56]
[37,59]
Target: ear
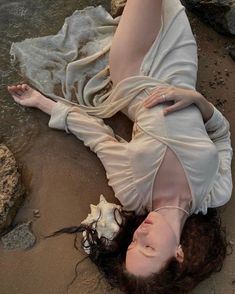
[179,254]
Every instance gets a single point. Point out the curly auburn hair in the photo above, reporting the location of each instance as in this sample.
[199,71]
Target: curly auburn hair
[201,256]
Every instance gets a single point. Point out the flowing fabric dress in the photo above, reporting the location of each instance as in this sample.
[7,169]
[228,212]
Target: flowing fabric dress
[72,68]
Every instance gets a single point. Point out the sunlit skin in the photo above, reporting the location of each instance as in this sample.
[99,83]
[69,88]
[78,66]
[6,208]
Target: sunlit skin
[148,252]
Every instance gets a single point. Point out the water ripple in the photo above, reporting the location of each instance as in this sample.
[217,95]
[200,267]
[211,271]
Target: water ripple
[20,20]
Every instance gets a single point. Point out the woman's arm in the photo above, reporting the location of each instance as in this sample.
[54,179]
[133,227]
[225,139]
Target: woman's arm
[92,131]
[217,128]
[24,95]
[205,107]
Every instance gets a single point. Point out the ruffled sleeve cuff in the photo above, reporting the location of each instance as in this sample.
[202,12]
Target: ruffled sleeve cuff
[59,115]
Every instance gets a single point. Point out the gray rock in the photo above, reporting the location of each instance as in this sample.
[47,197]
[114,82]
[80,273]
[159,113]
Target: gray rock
[20,237]
[220,14]
[231,51]
[117,7]
[11,188]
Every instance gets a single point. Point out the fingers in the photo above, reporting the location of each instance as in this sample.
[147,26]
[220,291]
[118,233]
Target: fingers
[159,95]
[156,98]
[25,87]
[154,101]
[179,96]
[172,108]
[17,90]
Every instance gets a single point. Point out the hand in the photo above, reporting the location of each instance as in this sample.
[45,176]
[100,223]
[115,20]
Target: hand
[24,95]
[179,96]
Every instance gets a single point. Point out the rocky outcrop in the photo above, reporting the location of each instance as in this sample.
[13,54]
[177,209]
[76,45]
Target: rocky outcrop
[117,7]
[220,14]
[11,188]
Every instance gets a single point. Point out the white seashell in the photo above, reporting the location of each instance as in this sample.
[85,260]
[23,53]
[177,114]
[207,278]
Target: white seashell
[103,216]
[95,211]
[86,243]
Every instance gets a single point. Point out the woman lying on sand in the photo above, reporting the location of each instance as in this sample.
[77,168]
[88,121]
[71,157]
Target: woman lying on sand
[177,164]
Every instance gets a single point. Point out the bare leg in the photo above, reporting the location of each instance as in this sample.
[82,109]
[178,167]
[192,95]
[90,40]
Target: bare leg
[136,32]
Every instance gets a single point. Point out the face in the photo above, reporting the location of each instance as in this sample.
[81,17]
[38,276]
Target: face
[153,244]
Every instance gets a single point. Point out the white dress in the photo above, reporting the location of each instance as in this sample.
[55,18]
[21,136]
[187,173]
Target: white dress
[204,151]
[131,167]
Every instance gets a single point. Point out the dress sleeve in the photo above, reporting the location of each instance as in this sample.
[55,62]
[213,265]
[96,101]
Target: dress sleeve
[91,130]
[100,138]
[217,128]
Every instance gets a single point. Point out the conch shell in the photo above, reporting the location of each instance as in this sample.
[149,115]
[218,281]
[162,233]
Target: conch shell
[103,220]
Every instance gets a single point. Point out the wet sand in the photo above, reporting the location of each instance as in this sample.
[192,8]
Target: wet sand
[63,177]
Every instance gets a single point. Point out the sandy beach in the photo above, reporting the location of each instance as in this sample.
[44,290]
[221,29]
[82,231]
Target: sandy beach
[63,177]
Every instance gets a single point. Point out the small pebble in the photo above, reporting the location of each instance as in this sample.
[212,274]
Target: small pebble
[36,213]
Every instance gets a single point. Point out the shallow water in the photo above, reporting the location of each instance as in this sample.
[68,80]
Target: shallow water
[20,20]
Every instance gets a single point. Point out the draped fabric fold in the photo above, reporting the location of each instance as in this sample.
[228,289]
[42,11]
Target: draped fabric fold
[72,65]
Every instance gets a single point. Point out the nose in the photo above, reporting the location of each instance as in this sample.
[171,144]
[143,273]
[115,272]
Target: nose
[142,231]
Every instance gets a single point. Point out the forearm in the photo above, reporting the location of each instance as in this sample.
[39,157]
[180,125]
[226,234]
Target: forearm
[46,105]
[91,130]
[205,107]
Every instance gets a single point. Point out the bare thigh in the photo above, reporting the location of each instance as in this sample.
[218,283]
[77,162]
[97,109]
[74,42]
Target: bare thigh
[136,32]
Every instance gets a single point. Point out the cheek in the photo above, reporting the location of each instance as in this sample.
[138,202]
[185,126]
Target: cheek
[162,237]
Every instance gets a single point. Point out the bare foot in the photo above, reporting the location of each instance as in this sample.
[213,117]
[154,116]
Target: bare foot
[24,95]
